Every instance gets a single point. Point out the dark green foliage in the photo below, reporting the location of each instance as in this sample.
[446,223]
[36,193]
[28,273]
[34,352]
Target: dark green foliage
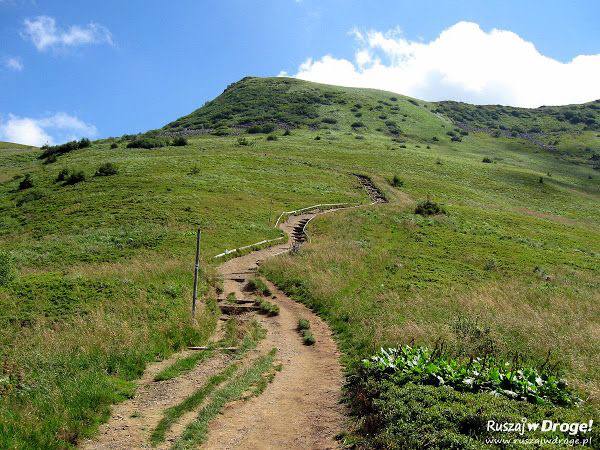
[540,120]
[421,365]
[147,142]
[114,145]
[303,324]
[486,159]
[106,169]
[428,208]
[317,138]
[26,182]
[271,137]
[75,177]
[62,175]
[259,286]
[307,337]
[242,141]
[56,150]
[287,133]
[406,416]
[329,120]
[397,182]
[357,124]
[180,141]
[268,308]
[7,271]
[265,129]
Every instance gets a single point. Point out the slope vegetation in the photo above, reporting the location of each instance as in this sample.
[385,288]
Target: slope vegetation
[95,263]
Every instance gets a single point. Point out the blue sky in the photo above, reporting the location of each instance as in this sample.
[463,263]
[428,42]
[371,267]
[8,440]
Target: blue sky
[105,68]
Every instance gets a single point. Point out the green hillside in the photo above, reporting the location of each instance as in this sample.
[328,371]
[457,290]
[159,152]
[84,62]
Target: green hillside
[95,276]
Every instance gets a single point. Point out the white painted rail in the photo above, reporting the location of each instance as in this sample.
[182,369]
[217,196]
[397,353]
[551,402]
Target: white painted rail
[266,241]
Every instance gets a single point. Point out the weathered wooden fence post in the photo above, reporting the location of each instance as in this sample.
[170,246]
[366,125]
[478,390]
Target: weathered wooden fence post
[196,267]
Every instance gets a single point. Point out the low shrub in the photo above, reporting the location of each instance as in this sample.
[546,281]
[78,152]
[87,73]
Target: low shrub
[357,124]
[397,182]
[180,141]
[62,175]
[242,141]
[106,169]
[329,120]
[317,138]
[486,160]
[75,177]
[26,182]
[308,338]
[287,133]
[428,208]
[271,137]
[259,286]
[265,128]
[114,145]
[55,150]
[303,324]
[268,308]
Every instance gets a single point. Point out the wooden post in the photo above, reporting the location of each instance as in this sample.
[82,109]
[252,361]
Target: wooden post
[196,266]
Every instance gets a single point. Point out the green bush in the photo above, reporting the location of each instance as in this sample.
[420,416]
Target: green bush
[26,182]
[486,160]
[62,175]
[397,182]
[180,141]
[268,308]
[265,128]
[329,120]
[357,124]
[114,145]
[428,208]
[258,285]
[242,141]
[271,137]
[308,338]
[75,177]
[106,169]
[55,150]
[7,272]
[303,324]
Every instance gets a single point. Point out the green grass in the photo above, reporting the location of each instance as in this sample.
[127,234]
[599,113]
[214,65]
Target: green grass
[183,365]
[190,403]
[103,279]
[246,335]
[252,378]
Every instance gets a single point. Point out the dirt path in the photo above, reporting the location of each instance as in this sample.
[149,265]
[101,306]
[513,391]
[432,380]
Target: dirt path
[299,409]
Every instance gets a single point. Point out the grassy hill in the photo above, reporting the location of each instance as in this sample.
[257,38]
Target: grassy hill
[95,270]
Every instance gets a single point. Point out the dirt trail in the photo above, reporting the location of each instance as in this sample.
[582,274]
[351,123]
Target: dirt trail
[299,409]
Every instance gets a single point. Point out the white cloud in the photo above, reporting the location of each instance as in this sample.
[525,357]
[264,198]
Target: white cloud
[14,64]
[44,34]
[463,63]
[60,127]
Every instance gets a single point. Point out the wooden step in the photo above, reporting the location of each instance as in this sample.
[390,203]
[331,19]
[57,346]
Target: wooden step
[232,309]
